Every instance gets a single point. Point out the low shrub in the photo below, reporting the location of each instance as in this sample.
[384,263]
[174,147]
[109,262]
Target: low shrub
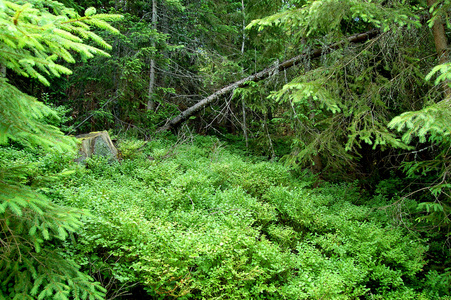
[198,222]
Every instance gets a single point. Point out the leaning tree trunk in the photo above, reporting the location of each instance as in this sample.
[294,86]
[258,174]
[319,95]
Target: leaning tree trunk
[175,122]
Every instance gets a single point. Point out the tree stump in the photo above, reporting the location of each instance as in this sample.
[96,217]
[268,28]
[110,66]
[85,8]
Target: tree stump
[96,143]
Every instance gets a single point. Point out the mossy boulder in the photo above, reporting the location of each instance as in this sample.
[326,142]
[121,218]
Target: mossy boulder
[96,143]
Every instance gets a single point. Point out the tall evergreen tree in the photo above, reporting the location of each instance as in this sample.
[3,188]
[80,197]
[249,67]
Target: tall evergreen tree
[341,104]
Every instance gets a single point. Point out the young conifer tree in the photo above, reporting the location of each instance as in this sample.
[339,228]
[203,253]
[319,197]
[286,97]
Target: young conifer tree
[35,36]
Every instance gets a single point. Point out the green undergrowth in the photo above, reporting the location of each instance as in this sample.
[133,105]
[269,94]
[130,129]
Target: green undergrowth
[197,220]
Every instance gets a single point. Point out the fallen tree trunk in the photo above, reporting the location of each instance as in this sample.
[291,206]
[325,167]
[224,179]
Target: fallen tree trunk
[358,38]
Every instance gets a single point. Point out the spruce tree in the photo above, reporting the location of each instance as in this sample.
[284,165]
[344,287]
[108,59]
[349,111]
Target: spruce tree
[353,103]
[35,38]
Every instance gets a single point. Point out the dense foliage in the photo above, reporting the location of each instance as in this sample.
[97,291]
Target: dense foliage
[195,219]
[34,35]
[324,173]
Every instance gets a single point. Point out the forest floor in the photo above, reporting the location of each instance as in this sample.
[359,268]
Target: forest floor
[201,219]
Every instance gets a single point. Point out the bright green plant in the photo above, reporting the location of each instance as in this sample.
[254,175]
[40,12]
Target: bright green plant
[34,35]
[131,148]
[204,223]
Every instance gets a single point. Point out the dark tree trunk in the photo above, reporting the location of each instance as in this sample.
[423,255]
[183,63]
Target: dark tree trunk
[441,46]
[150,101]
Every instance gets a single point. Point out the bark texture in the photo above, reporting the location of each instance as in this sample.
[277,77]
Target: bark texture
[175,122]
[441,46]
[150,101]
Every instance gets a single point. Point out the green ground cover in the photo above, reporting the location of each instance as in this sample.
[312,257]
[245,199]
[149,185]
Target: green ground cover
[200,220]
